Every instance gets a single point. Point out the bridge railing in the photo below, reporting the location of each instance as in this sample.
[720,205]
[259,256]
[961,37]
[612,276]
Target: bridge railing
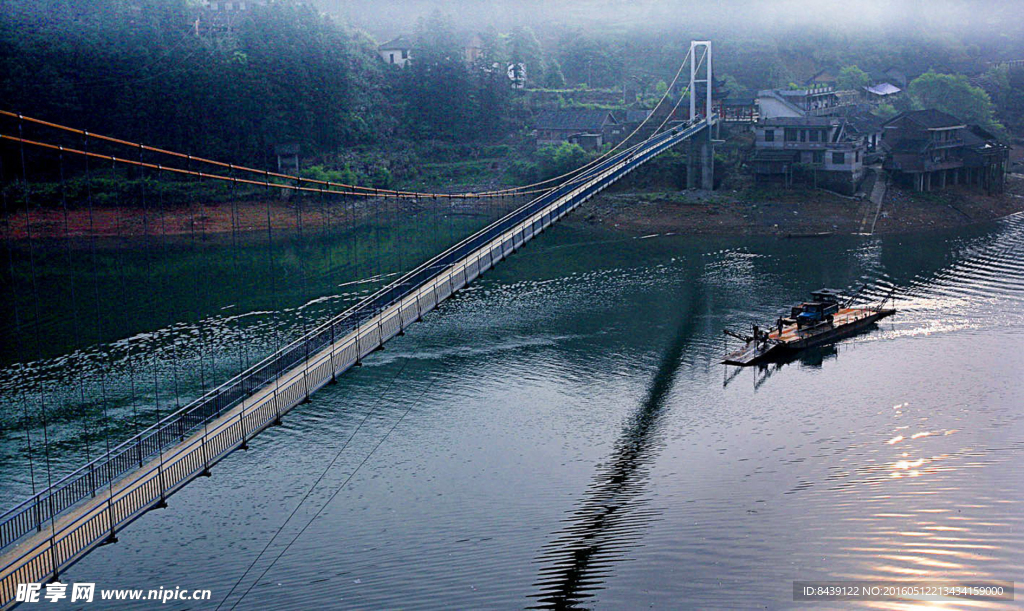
[34,513]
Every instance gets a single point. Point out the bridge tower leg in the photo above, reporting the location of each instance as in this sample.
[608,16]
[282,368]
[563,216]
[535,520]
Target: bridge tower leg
[707,162]
[692,156]
[702,147]
[700,162]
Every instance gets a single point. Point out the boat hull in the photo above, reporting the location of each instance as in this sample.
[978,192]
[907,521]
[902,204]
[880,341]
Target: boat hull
[793,340]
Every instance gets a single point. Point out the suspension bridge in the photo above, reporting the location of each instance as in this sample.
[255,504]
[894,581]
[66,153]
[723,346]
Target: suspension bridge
[46,533]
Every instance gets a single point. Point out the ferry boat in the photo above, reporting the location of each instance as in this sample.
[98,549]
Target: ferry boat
[827,317]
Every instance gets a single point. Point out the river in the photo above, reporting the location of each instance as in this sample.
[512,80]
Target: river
[561,435]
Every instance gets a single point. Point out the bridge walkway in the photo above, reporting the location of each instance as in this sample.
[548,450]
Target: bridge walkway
[329,351]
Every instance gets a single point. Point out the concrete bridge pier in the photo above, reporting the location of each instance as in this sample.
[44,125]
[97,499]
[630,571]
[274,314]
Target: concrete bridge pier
[701,153]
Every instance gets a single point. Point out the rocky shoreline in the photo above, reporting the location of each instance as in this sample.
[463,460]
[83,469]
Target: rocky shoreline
[739,211]
[797,211]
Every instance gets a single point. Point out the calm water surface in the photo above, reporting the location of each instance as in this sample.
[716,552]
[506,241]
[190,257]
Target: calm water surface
[560,435]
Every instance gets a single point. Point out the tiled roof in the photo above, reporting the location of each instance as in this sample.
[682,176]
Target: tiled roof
[932,119]
[883,89]
[635,116]
[399,43]
[863,123]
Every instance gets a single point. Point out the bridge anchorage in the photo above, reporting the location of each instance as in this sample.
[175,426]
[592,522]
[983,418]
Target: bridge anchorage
[48,532]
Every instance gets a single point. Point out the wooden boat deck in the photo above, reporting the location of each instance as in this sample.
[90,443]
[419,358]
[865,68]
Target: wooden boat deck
[791,334]
[792,337]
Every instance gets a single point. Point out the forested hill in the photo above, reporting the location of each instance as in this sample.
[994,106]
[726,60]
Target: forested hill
[145,71]
[138,70]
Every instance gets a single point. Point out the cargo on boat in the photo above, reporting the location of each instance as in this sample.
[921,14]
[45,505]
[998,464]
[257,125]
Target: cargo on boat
[826,318]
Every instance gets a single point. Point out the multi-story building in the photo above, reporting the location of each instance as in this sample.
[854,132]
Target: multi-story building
[816,101]
[591,129]
[828,150]
[929,149]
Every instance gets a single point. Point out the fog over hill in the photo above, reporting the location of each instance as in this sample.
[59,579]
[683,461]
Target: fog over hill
[385,17]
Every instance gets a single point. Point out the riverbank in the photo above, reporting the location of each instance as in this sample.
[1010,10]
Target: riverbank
[746,209]
[242,217]
[754,210]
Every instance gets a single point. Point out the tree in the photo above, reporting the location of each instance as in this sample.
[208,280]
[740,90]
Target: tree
[439,94]
[495,50]
[589,60]
[553,77]
[1006,86]
[557,160]
[137,70]
[852,77]
[524,48]
[733,86]
[955,95]
[886,111]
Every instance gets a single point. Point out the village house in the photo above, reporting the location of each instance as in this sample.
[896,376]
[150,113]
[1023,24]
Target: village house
[881,93]
[826,76]
[929,149]
[631,119]
[397,51]
[865,128]
[828,150]
[816,101]
[591,129]
[220,17]
[737,109]
[473,48]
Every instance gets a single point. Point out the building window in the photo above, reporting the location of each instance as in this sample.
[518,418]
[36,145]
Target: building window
[838,158]
[815,135]
[803,135]
[857,157]
[405,54]
[819,156]
[790,134]
[391,56]
[769,135]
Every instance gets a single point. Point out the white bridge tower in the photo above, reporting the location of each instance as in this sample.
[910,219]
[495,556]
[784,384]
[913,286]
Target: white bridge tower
[696,65]
[702,147]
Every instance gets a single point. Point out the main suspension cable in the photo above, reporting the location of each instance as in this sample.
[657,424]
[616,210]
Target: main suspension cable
[356,189]
[619,144]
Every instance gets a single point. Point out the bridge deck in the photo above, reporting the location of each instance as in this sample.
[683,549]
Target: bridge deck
[67,538]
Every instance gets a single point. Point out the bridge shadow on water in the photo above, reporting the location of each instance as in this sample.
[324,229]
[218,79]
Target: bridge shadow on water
[612,515]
